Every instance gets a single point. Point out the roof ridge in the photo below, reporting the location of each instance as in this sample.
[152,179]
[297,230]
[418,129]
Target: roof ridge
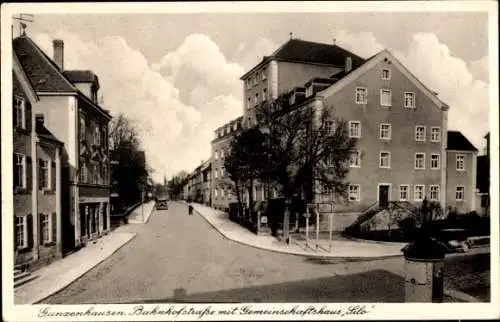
[50,61]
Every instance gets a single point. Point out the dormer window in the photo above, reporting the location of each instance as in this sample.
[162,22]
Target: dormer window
[309,91]
[19,112]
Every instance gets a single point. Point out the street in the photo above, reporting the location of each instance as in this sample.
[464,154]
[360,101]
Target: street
[180,258]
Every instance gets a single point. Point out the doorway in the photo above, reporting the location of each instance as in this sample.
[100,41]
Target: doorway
[383,195]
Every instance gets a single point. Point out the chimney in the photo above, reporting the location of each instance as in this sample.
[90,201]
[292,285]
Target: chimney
[348,64]
[59,53]
[39,119]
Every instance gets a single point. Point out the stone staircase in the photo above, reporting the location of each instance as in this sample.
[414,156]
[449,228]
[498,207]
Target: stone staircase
[22,277]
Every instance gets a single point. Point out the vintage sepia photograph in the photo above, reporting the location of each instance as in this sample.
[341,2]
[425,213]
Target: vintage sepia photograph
[202,161]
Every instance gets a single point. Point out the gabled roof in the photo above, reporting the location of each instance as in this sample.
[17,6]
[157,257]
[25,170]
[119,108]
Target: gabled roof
[296,50]
[458,142]
[372,62]
[43,73]
[20,82]
[45,134]
[82,76]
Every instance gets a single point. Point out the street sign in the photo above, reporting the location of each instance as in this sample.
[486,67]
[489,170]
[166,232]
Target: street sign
[325,207]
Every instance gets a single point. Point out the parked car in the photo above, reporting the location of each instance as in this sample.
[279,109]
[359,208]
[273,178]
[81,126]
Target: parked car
[161,204]
[455,239]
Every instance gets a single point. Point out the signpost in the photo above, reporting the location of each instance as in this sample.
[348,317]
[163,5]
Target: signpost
[319,208]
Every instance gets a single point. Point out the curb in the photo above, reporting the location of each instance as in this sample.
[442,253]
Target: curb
[322,256]
[90,268]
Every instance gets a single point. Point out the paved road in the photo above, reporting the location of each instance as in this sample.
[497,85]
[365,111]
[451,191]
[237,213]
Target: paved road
[181,258]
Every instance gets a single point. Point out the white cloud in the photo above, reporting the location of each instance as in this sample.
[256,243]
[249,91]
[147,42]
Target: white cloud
[464,88]
[251,55]
[363,44]
[479,69]
[432,63]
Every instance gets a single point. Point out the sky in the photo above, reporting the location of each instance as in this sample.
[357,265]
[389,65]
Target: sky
[176,76]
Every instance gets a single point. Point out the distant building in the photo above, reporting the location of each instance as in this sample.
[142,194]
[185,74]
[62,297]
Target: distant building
[222,188]
[68,101]
[37,179]
[483,179]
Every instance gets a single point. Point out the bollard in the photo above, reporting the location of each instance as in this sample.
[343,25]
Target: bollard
[424,270]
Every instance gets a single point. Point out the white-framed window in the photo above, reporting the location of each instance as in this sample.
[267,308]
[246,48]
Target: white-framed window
[221,172]
[97,135]
[419,160]
[21,232]
[45,228]
[460,193]
[385,159]
[386,73]
[327,192]
[82,127]
[44,174]
[435,134]
[354,192]
[222,154]
[434,193]
[354,129]
[420,133]
[248,83]
[385,97]
[264,74]
[329,160]
[83,171]
[256,98]
[355,159]
[249,103]
[216,155]
[235,126]
[419,192]
[216,192]
[460,162]
[19,170]
[385,131]
[216,174]
[264,94]
[404,191]
[309,91]
[361,95]
[329,126]
[275,192]
[435,161]
[20,110]
[222,192]
[255,78]
[409,99]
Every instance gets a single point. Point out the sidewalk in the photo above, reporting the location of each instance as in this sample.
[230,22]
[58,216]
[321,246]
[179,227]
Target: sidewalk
[140,215]
[339,248]
[59,274]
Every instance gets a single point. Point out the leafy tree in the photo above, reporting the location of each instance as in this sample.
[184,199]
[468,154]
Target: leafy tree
[307,148]
[246,161]
[132,172]
[175,185]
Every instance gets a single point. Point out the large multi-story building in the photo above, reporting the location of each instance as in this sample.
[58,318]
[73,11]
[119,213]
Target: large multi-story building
[222,188]
[404,151]
[68,100]
[37,179]
[291,65]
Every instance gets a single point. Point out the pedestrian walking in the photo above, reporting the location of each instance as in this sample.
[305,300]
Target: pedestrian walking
[190,209]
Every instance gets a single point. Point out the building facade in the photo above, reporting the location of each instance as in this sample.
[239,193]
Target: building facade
[37,179]
[404,151]
[222,188]
[68,100]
